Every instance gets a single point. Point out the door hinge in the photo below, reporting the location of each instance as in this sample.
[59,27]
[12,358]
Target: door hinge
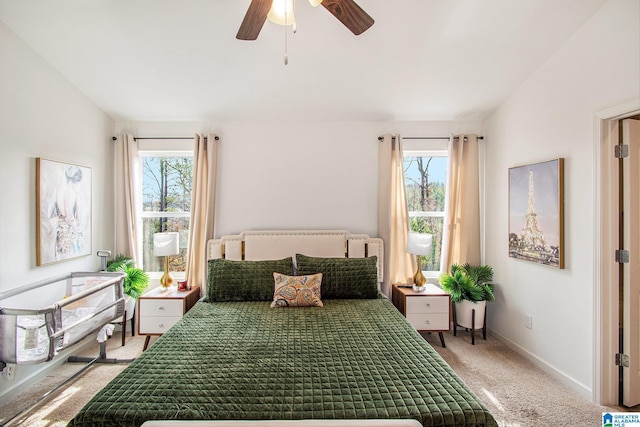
[622,256]
[622,360]
[621,151]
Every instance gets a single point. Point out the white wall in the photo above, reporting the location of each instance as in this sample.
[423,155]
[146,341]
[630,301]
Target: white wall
[43,115]
[276,175]
[550,116]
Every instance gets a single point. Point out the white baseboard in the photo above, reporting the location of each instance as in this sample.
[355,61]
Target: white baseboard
[567,380]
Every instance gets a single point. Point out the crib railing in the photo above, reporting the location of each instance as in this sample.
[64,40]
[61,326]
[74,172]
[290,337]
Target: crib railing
[37,321]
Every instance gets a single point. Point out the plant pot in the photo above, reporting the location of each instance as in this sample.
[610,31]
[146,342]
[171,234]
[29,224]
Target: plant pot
[464,311]
[129,308]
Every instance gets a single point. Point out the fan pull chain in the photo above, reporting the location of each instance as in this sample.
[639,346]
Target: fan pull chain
[286,53]
[295,23]
[295,28]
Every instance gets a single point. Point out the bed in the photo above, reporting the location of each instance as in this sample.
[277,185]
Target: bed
[352,356]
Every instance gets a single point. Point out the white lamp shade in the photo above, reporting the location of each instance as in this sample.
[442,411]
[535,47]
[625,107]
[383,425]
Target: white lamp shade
[166,244]
[419,243]
[281,12]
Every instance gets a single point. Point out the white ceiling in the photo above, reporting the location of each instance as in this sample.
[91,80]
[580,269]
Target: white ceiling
[179,60]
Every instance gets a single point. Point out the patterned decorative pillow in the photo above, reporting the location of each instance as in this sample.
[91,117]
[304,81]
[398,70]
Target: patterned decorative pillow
[343,278]
[297,291]
[244,280]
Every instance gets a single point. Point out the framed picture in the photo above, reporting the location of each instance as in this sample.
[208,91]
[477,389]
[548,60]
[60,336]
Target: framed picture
[536,213]
[63,211]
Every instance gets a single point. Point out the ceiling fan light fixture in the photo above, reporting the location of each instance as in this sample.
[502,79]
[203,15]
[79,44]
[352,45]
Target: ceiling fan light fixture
[281,12]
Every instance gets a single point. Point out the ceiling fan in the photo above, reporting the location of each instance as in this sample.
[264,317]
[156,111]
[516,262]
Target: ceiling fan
[348,12]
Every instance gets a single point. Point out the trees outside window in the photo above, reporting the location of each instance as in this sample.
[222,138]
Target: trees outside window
[425,182]
[166,204]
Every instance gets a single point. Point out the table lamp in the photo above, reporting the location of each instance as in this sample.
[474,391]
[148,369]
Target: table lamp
[419,244]
[166,245]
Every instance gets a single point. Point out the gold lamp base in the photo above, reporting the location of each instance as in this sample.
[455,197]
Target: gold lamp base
[166,280]
[419,280]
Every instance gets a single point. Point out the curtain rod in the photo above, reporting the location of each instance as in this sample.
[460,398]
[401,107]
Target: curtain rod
[380,138]
[163,137]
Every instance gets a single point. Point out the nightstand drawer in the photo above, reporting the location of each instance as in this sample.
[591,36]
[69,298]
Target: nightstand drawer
[429,322]
[427,304]
[427,311]
[162,307]
[157,324]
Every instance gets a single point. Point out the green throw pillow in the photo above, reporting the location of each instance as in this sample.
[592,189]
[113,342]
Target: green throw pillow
[244,280]
[343,278]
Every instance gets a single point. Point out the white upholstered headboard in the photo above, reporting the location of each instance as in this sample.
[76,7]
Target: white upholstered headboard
[277,244]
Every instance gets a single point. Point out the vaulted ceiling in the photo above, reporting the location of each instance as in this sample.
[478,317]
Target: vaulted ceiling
[179,59]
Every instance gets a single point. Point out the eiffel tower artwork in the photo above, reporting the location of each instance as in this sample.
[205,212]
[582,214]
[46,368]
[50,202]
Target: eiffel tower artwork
[530,242]
[531,236]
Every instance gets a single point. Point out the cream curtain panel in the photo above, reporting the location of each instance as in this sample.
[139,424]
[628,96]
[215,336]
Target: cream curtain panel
[461,240]
[205,157]
[127,198]
[393,217]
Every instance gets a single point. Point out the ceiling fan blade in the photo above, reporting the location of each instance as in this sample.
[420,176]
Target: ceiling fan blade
[350,14]
[254,19]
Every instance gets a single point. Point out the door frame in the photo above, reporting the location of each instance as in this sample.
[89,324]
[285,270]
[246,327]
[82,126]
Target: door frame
[606,297]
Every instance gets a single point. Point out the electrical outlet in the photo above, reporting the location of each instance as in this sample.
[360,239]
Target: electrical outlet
[9,371]
[528,321]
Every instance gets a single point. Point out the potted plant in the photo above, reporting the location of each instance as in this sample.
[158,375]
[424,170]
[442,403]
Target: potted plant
[136,280]
[135,283]
[470,289]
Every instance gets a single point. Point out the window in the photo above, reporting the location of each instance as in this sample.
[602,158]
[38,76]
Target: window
[425,172]
[166,203]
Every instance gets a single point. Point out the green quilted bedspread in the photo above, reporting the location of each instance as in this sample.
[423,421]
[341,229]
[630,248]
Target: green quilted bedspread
[243,360]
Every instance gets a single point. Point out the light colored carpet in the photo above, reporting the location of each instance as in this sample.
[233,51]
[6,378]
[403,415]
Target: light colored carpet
[61,406]
[514,389]
[517,392]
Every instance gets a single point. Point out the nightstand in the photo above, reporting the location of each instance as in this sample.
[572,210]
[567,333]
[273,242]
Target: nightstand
[159,310]
[426,311]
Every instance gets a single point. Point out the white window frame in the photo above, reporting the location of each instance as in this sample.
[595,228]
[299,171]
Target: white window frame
[142,153]
[429,149]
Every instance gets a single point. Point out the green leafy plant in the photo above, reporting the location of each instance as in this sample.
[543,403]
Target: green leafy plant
[469,282]
[136,280]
